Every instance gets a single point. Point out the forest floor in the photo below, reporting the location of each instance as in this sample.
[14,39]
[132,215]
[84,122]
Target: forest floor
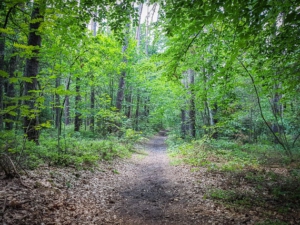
[145,189]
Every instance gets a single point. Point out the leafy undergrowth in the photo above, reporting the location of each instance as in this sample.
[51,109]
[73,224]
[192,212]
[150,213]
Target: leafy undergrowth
[256,177]
[74,149]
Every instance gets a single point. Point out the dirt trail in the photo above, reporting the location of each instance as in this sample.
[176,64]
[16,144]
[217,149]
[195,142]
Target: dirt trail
[151,191]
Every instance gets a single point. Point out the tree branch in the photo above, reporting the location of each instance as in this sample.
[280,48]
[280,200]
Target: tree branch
[7,15]
[261,111]
[187,48]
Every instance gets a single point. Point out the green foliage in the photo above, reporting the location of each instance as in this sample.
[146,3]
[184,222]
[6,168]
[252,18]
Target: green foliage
[80,150]
[224,155]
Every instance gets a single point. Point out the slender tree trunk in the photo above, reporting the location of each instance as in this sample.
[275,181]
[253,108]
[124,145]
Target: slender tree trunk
[31,70]
[10,93]
[137,110]
[192,112]
[146,107]
[183,123]
[111,90]
[147,29]
[67,110]
[213,112]
[184,114]
[92,117]
[78,120]
[138,29]
[3,25]
[92,122]
[120,93]
[57,104]
[85,121]
[129,103]
[2,49]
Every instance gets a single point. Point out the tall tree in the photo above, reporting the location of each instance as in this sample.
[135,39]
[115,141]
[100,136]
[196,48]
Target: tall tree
[10,93]
[121,87]
[78,119]
[192,112]
[31,121]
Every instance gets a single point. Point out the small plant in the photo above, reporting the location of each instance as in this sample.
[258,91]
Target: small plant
[221,194]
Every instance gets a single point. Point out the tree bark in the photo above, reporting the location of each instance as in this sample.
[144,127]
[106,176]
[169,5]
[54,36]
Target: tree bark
[183,123]
[129,103]
[2,51]
[192,112]
[138,29]
[67,110]
[146,107]
[147,29]
[10,93]
[111,90]
[120,93]
[92,97]
[137,110]
[31,70]
[92,122]
[57,104]
[78,120]
[2,48]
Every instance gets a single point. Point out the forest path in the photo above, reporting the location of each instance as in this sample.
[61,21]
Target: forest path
[150,191]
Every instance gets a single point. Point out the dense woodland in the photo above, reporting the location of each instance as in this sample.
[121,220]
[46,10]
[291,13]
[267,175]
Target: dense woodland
[85,80]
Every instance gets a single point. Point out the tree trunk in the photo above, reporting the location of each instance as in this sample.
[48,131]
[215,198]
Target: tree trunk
[192,112]
[120,94]
[2,48]
[129,103]
[138,29]
[214,119]
[111,90]
[67,110]
[146,107]
[31,70]
[10,93]
[2,52]
[78,120]
[57,104]
[137,111]
[92,118]
[147,29]
[92,122]
[183,123]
